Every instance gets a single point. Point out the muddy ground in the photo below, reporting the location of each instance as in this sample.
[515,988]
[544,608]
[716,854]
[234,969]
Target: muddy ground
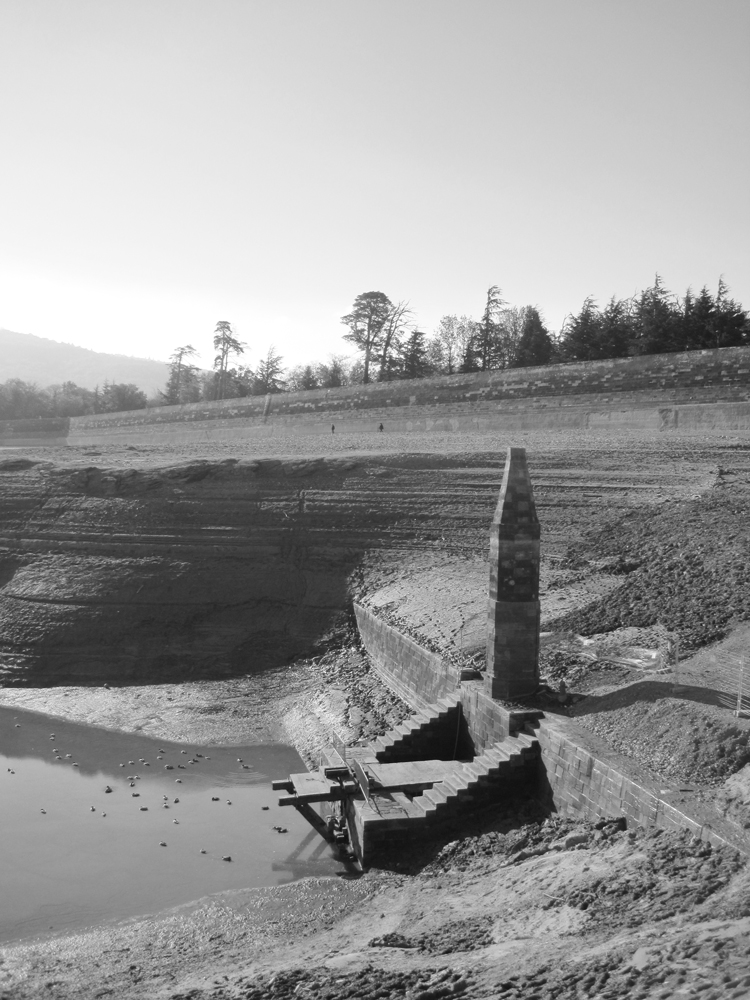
[520,905]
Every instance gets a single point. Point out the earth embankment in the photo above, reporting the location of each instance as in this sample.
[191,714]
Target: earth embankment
[142,572]
[127,566]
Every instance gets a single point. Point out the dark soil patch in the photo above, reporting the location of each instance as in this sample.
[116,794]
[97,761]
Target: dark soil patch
[694,568]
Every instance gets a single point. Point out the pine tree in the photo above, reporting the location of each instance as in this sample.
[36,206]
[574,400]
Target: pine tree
[535,346]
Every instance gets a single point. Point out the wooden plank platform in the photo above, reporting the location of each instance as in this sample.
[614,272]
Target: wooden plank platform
[411,775]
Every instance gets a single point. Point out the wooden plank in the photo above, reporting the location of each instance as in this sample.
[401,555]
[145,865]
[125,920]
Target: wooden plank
[339,746]
[362,777]
[282,785]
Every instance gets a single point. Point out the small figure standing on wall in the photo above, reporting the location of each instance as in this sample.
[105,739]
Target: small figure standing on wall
[333,428]
[380,428]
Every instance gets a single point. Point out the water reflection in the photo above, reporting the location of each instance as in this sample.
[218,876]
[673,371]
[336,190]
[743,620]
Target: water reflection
[76,854]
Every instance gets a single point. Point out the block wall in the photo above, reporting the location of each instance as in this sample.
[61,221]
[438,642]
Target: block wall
[581,776]
[639,392]
[584,777]
[415,674]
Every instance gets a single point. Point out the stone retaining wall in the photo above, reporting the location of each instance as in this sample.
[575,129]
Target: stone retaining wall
[415,674]
[581,775]
[694,390]
[586,778]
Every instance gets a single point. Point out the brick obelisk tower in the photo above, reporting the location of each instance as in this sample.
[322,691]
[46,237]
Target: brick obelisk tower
[513,611]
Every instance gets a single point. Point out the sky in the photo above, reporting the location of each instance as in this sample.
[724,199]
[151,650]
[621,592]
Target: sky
[166,164]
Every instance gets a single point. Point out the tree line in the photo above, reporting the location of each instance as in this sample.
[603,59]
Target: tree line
[21,400]
[390,345]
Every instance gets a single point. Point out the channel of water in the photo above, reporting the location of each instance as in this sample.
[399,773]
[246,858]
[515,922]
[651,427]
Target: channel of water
[74,854]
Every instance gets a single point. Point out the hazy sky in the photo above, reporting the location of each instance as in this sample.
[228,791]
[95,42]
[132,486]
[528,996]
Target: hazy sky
[169,163]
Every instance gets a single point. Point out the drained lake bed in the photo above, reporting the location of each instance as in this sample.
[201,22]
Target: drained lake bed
[98,825]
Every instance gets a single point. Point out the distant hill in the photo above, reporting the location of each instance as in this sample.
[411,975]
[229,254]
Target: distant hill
[48,362]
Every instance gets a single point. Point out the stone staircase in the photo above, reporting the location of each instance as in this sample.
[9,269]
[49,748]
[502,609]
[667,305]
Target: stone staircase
[477,779]
[459,786]
[430,734]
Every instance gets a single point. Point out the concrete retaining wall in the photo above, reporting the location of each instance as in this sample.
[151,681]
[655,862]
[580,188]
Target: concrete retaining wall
[415,674]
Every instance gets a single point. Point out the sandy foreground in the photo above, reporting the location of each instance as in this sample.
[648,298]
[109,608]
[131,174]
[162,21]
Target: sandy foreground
[518,906]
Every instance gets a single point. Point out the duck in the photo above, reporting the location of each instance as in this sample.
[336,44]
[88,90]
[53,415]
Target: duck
[227,857]
[43,812]
[107,789]
[176,800]
[162,843]
[93,809]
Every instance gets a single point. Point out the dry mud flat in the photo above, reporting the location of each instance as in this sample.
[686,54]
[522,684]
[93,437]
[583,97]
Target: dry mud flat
[522,909]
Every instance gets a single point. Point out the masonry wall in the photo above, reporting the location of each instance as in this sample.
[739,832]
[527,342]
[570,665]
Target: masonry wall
[415,674]
[694,390]
[585,778]
[581,776]
[37,431]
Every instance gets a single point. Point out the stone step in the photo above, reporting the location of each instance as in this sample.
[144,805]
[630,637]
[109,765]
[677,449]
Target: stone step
[427,808]
[526,741]
[448,704]
[403,729]
[478,769]
[495,769]
[458,784]
[439,795]
[500,761]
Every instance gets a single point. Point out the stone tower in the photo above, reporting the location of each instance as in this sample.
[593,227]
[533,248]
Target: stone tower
[513,611]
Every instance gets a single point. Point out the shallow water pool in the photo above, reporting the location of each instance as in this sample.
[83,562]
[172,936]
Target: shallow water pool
[74,854]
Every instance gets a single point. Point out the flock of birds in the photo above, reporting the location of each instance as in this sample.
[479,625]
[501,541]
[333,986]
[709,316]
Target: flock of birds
[132,778]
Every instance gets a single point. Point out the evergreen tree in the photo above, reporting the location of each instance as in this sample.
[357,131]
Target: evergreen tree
[486,347]
[415,360]
[582,334]
[366,322]
[657,320]
[616,325]
[301,378]
[268,374]
[182,384]
[226,345]
[333,374]
[535,346]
